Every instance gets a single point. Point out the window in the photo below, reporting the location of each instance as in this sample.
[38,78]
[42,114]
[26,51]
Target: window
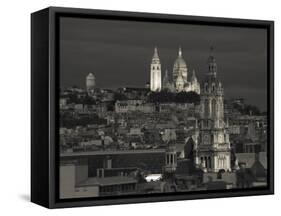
[209,162]
[206,106]
[214,107]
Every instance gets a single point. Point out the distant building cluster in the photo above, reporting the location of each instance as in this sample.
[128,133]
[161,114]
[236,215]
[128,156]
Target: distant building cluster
[180,79]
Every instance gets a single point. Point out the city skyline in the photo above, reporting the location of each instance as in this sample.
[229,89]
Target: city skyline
[175,135]
[240,54]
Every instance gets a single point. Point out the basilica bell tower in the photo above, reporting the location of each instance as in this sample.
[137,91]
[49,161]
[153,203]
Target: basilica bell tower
[155,72]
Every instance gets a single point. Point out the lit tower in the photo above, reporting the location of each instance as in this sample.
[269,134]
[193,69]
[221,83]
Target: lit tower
[213,150]
[155,72]
[90,82]
[166,80]
[195,86]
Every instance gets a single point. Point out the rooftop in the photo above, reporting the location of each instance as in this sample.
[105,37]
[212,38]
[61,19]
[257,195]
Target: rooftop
[111,152]
[115,180]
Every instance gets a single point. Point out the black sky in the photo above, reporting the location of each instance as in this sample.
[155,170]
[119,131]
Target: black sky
[119,53]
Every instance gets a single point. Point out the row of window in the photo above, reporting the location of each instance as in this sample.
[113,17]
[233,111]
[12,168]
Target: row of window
[206,162]
[117,188]
[153,68]
[213,89]
[214,107]
[170,159]
[212,67]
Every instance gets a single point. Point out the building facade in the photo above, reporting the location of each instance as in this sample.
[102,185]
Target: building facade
[213,149]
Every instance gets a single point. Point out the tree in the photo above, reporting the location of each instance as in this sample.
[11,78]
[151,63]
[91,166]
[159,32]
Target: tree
[169,97]
[161,97]
[187,97]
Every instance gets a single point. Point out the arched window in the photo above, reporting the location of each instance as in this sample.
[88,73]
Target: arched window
[206,107]
[157,67]
[209,162]
[214,107]
[206,87]
[153,67]
[213,87]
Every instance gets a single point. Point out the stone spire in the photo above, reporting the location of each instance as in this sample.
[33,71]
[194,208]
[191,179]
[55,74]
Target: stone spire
[193,76]
[155,72]
[166,73]
[166,81]
[212,65]
[180,52]
[155,55]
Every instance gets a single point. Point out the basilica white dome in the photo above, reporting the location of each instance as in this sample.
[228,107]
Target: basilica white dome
[180,67]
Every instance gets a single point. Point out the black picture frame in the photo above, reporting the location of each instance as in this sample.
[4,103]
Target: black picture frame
[44,105]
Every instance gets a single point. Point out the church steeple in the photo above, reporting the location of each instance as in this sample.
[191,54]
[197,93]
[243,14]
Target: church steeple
[166,76]
[155,54]
[155,72]
[193,76]
[213,134]
[212,65]
[166,80]
[180,52]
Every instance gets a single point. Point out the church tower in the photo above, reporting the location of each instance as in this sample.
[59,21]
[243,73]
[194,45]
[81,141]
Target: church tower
[195,86]
[90,83]
[213,149]
[166,82]
[155,72]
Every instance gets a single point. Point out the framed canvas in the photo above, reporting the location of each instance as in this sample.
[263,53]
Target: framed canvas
[139,107]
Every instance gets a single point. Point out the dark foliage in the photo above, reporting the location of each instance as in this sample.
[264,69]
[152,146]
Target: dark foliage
[169,97]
